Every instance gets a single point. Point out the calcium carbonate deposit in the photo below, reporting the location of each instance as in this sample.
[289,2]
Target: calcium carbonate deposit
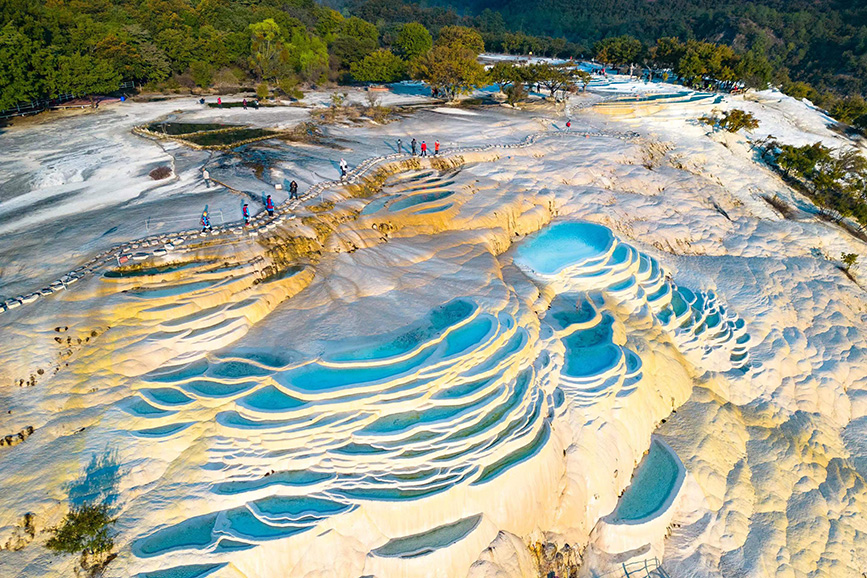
[593,351]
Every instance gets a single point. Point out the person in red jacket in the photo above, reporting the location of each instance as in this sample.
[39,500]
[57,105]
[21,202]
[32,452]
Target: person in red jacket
[246,212]
[269,205]
[436,148]
[423,149]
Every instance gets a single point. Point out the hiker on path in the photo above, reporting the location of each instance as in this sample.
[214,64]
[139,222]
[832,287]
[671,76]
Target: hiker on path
[246,212]
[343,168]
[220,101]
[414,145]
[399,146]
[206,221]
[269,205]
[244,103]
[207,176]
[568,124]
[436,148]
[423,149]
[293,190]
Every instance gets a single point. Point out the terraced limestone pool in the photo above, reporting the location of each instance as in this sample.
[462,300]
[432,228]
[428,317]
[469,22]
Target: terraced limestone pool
[462,396]
[656,479]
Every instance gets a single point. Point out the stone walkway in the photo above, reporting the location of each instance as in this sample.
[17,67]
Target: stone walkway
[161,245]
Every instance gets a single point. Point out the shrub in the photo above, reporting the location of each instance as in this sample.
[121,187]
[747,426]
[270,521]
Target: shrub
[202,73]
[262,90]
[289,86]
[732,120]
[849,260]
[84,530]
[160,173]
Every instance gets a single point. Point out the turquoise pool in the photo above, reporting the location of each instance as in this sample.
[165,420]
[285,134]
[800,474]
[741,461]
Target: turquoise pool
[550,251]
[655,480]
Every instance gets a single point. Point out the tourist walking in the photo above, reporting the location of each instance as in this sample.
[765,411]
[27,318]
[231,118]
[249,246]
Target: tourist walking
[244,103]
[399,146]
[293,190]
[269,205]
[207,176]
[220,101]
[343,168]
[436,148]
[413,144]
[245,211]
[206,221]
[568,124]
[423,149]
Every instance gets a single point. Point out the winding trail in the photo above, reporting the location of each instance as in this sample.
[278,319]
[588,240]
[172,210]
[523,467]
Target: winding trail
[161,245]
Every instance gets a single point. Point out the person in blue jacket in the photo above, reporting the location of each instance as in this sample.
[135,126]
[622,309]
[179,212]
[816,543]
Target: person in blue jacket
[206,221]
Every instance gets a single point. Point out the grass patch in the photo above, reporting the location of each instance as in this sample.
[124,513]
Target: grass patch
[322,207]
[230,137]
[181,128]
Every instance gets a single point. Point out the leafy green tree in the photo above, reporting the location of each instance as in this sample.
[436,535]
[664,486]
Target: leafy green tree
[379,66]
[552,77]
[849,109]
[413,40]
[306,54]
[20,81]
[328,23]
[803,161]
[619,50]
[504,73]
[268,51]
[346,50]
[583,77]
[754,70]
[84,75]
[357,28]
[460,37]
[202,73]
[668,52]
[179,45]
[451,70]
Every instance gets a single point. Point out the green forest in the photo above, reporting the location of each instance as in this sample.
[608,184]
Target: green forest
[823,42]
[54,47]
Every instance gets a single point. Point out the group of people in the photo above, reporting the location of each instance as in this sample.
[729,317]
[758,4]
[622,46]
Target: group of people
[254,103]
[414,147]
[245,209]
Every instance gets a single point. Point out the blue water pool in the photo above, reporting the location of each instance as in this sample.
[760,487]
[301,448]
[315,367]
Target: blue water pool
[418,199]
[430,541]
[657,477]
[550,251]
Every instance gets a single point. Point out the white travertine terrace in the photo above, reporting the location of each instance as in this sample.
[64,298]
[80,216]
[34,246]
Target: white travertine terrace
[474,359]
